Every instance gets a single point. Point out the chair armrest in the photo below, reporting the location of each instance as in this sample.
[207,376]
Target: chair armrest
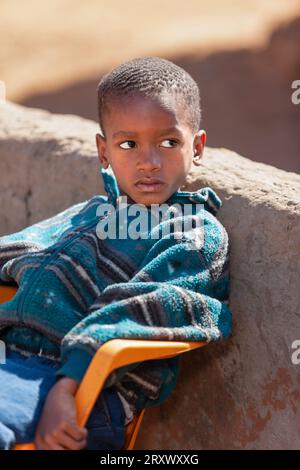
[117,353]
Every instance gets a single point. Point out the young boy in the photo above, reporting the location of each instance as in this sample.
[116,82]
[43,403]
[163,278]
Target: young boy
[82,282]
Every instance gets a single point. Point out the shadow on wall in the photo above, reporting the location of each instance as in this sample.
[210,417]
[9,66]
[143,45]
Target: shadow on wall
[246,98]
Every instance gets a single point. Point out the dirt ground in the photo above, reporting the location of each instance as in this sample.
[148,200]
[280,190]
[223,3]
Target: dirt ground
[244,55]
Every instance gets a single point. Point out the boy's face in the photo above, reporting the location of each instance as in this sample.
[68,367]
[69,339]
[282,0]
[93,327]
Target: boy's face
[148,139]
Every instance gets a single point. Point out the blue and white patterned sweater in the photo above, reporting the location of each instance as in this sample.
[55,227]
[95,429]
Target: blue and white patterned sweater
[77,291]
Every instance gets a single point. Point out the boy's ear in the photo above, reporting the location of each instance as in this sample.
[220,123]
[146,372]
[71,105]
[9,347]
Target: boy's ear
[199,144]
[101,148]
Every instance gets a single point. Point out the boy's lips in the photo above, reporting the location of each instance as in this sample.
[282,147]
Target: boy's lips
[149,185]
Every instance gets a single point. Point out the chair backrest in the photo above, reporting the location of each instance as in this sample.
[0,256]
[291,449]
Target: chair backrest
[7,292]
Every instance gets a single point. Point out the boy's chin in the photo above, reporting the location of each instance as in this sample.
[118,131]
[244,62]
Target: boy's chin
[146,199]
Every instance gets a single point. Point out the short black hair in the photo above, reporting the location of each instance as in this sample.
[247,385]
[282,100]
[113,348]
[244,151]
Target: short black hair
[151,76]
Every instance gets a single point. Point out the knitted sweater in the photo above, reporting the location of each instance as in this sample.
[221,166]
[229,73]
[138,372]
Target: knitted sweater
[78,290]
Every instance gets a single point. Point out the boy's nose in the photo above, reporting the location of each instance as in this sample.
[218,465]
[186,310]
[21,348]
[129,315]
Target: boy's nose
[149,160]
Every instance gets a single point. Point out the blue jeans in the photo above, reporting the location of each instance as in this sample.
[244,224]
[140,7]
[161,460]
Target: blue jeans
[24,385]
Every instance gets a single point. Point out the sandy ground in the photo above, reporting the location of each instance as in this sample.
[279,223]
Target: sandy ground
[242,54]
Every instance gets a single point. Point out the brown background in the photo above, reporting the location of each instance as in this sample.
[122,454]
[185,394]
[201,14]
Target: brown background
[243,54]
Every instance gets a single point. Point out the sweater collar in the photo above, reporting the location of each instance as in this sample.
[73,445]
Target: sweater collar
[206,195]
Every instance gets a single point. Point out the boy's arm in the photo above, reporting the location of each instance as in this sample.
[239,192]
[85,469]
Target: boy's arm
[39,236]
[178,293]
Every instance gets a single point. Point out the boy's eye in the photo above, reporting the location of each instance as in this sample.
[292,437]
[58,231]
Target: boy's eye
[172,141]
[126,142]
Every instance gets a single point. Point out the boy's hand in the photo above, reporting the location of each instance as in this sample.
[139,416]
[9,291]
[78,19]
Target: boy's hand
[57,428]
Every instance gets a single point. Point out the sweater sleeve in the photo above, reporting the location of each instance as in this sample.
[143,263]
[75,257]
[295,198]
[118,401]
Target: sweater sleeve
[178,293]
[39,236]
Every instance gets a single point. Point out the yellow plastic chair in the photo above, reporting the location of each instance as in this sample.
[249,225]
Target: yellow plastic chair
[110,356]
